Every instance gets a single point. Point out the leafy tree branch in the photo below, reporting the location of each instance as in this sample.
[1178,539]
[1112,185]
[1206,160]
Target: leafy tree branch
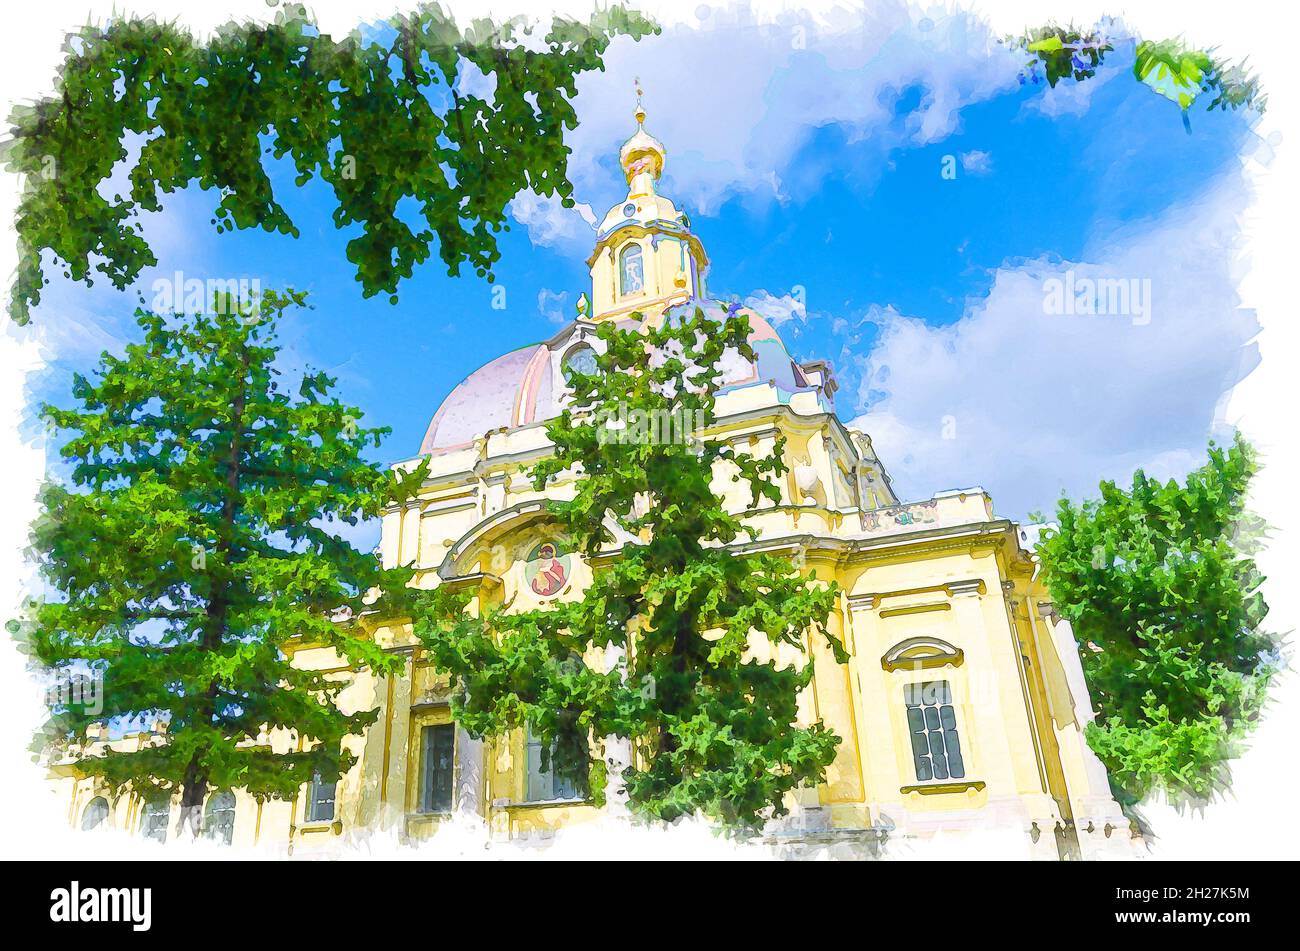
[1168,67]
[380,121]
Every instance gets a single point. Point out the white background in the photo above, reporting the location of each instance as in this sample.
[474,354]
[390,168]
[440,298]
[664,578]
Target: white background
[1256,819]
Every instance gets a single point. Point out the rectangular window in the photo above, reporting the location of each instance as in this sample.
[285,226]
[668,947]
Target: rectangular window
[219,817]
[932,723]
[437,760]
[543,784]
[320,800]
[153,824]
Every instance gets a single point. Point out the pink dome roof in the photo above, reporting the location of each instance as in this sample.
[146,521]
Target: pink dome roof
[518,388]
[503,393]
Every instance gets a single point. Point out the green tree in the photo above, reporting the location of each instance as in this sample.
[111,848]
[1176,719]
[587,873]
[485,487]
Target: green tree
[380,120]
[711,732]
[1161,587]
[197,535]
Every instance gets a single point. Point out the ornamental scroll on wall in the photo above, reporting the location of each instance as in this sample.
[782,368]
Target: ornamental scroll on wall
[896,516]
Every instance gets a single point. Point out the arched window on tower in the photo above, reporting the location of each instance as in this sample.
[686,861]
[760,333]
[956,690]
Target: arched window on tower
[631,270]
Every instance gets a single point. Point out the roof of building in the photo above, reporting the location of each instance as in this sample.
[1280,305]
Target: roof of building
[520,387]
[527,386]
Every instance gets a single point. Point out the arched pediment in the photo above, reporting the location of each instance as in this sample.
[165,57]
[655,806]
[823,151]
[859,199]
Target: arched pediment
[462,558]
[921,653]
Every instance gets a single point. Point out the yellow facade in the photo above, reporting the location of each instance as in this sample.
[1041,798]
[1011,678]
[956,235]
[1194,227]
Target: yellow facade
[941,608]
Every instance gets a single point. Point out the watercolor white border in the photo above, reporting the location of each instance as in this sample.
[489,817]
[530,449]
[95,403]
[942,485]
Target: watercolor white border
[1255,821]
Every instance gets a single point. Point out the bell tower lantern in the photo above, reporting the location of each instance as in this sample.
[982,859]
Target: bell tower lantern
[646,257]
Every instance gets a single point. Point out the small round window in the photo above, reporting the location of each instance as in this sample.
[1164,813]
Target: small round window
[579,360]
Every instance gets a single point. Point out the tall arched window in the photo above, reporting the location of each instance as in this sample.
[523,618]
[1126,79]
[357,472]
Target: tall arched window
[631,270]
[95,814]
[219,817]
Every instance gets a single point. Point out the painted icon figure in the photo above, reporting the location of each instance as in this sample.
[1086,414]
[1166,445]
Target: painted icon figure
[550,570]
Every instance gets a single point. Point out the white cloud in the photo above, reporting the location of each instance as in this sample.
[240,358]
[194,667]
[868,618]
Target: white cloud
[472,81]
[549,222]
[551,305]
[777,311]
[1069,98]
[976,162]
[1028,404]
[742,97]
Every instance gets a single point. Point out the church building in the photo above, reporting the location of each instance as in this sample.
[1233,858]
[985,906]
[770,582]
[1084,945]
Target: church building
[962,707]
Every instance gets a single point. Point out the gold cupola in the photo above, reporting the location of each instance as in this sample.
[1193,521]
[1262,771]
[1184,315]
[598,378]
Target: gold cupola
[646,258]
[642,157]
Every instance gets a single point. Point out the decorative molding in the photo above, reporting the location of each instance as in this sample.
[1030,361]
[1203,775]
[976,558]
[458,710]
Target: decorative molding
[926,608]
[474,579]
[621,232]
[433,512]
[953,589]
[896,516]
[543,804]
[936,789]
[922,653]
[334,827]
[517,515]
[432,700]
[962,589]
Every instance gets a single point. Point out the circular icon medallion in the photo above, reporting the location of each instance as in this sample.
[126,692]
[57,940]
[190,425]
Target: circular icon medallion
[547,570]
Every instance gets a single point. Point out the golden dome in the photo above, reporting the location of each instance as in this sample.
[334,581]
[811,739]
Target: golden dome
[642,153]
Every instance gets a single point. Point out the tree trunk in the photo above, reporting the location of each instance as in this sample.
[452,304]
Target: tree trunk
[681,652]
[196,776]
[192,796]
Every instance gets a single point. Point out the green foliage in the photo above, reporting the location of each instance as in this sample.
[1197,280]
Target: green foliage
[1168,67]
[1065,52]
[1162,589]
[378,121]
[194,543]
[712,732]
[1182,75]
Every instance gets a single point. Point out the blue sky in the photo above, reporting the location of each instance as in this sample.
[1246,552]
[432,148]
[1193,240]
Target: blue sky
[811,158]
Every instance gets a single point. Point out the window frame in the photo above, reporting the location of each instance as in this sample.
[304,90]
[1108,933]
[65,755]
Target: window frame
[102,820]
[148,814]
[425,803]
[209,831]
[313,799]
[569,354]
[625,252]
[531,797]
[957,729]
